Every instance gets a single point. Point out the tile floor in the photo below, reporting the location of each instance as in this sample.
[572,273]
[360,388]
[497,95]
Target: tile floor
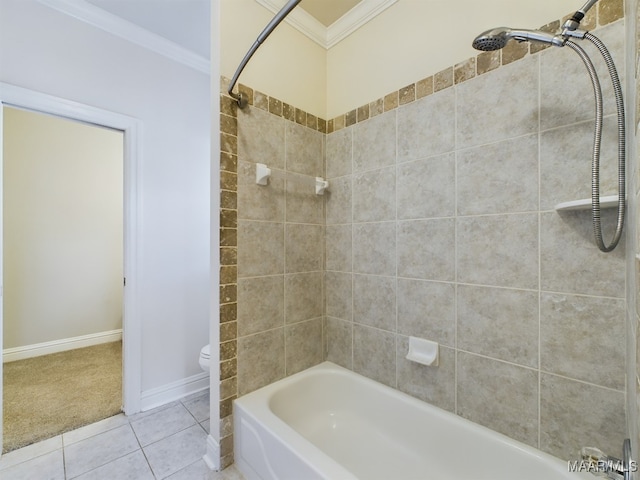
[164,443]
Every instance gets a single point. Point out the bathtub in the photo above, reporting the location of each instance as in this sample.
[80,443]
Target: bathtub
[330,423]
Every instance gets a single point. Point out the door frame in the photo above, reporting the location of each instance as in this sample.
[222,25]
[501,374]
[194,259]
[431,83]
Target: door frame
[14,96]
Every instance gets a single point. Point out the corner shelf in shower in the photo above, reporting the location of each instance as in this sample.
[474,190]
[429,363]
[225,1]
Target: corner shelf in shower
[609,201]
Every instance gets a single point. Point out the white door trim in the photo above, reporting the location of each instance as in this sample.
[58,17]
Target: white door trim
[12,95]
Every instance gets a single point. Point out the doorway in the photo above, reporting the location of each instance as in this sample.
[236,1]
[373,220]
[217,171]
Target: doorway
[23,99]
[63,274]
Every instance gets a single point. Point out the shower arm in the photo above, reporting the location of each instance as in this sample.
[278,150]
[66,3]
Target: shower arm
[275,21]
[574,22]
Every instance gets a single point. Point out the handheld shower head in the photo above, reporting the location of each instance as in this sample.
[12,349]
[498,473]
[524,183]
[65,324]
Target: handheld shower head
[497,38]
[491,40]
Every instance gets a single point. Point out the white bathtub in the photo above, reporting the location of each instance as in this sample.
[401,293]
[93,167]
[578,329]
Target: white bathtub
[330,423]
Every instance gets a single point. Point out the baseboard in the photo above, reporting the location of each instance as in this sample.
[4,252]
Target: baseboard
[38,349]
[212,457]
[174,391]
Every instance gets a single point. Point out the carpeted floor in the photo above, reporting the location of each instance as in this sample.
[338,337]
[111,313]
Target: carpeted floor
[52,394]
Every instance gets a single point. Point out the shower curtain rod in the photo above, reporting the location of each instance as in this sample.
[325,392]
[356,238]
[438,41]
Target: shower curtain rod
[241,98]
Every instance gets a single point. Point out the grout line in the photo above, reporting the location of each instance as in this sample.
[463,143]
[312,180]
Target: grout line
[539,402]
[455,252]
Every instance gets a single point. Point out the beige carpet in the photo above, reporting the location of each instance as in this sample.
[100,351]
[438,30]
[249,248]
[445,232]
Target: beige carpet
[52,394]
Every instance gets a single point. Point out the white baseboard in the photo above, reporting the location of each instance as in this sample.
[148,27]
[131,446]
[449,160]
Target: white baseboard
[212,457]
[174,391]
[37,349]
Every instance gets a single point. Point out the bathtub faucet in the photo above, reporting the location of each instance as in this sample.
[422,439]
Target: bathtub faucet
[595,461]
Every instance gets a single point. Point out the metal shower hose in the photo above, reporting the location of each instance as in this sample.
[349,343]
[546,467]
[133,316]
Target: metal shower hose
[595,165]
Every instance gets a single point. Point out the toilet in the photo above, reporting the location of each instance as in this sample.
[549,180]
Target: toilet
[205,355]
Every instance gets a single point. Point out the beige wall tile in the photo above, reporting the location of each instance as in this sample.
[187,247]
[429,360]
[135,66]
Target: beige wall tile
[260,248]
[303,345]
[570,345]
[575,415]
[429,260]
[303,296]
[339,295]
[260,304]
[426,127]
[260,202]
[374,144]
[304,150]
[564,173]
[435,385]
[570,261]
[499,178]
[487,319]
[374,354]
[339,153]
[564,103]
[506,109]
[304,247]
[499,395]
[374,247]
[374,301]
[303,205]
[338,248]
[498,250]
[374,195]
[426,188]
[340,342]
[338,200]
[261,137]
[266,350]
[427,310]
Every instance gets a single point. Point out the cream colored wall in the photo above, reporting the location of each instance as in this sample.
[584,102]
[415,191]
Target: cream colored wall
[411,40]
[288,66]
[62,228]
[414,39]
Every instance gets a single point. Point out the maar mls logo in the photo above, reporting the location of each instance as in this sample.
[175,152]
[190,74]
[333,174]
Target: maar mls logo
[602,466]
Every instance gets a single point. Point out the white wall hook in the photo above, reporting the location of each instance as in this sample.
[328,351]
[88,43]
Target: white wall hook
[262,174]
[423,351]
[321,185]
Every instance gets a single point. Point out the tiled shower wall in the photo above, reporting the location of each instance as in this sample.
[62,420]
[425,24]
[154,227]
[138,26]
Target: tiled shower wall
[280,253]
[272,248]
[441,224]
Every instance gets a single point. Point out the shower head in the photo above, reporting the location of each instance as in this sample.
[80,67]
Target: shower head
[497,38]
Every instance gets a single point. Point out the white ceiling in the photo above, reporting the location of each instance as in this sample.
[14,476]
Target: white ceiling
[185,22]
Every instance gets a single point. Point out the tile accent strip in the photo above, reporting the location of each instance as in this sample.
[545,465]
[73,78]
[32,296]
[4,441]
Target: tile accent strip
[228,273]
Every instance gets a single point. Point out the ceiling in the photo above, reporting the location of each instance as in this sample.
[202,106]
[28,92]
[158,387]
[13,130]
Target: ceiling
[328,11]
[167,18]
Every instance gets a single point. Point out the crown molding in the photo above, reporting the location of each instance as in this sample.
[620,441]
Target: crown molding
[327,37]
[133,33]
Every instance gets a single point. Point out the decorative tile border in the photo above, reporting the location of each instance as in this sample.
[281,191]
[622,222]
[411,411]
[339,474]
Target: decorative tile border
[228,274]
[607,11]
